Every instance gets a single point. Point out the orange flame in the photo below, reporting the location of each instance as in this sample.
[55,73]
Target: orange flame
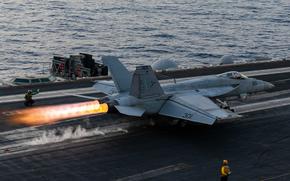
[51,114]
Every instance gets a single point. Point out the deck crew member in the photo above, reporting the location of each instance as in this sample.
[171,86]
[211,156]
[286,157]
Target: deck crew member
[28,97]
[225,170]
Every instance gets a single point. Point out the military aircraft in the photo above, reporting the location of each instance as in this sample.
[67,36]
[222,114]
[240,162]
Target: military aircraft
[194,99]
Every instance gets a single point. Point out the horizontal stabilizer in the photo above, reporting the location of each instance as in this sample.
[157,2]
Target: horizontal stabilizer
[106,87]
[131,111]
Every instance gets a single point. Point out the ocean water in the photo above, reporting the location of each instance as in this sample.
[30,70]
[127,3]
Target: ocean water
[140,32]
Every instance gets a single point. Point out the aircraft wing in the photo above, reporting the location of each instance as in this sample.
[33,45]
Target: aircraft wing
[217,91]
[194,107]
[106,87]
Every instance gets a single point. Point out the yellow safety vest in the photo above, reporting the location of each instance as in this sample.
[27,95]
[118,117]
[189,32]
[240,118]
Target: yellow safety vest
[225,170]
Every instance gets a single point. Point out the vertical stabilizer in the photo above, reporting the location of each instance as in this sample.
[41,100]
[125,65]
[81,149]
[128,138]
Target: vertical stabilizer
[121,76]
[145,84]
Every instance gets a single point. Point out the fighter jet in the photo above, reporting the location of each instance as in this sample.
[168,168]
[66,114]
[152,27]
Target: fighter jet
[194,99]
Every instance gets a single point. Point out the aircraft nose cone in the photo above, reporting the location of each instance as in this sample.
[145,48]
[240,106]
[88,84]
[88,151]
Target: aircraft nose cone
[268,85]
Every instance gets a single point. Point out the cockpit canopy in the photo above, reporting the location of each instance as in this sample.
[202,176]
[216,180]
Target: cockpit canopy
[233,75]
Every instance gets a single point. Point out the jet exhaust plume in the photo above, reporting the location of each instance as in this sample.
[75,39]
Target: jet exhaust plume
[50,114]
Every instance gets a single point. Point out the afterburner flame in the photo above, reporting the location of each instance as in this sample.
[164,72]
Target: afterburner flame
[51,114]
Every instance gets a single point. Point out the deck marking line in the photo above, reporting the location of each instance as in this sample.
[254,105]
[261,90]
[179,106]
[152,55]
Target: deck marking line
[275,177]
[156,172]
[262,105]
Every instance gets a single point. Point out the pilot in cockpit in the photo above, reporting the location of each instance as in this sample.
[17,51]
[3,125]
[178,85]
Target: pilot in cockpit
[233,75]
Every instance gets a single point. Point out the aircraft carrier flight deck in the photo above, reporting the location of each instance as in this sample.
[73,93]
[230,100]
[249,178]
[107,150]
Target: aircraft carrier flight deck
[117,147]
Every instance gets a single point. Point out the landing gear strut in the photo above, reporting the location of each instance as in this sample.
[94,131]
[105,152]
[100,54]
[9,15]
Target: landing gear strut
[224,105]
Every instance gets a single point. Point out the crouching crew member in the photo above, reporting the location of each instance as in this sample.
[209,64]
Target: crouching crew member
[28,97]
